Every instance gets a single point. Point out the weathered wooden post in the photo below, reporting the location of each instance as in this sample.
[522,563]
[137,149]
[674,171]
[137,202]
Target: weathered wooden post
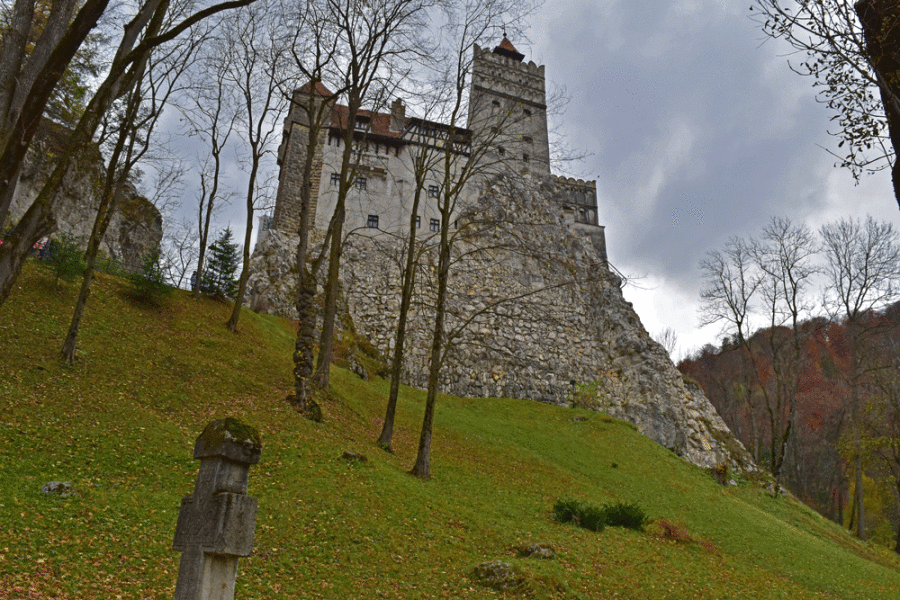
[216,523]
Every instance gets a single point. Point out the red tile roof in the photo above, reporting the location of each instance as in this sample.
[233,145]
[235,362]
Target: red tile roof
[321,90]
[379,123]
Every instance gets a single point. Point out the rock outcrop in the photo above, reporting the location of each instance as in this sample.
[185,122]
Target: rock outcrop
[134,229]
[534,308]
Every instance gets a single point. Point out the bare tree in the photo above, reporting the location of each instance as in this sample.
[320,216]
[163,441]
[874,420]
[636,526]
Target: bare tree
[784,260]
[137,120]
[27,80]
[255,77]
[379,42]
[443,148]
[850,52]
[459,174]
[142,34]
[862,269]
[668,339]
[314,50]
[211,118]
[179,252]
[767,278]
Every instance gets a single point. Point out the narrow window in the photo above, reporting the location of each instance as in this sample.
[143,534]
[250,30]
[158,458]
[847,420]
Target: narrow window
[335,179]
[418,221]
[360,183]
[501,151]
[525,157]
[435,225]
[372,222]
[432,191]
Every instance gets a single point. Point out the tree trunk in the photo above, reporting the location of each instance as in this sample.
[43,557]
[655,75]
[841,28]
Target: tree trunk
[332,290]
[37,222]
[880,21]
[101,224]
[112,192]
[857,445]
[204,222]
[304,347]
[897,544]
[306,334]
[12,55]
[422,468]
[245,268]
[19,131]
[409,277]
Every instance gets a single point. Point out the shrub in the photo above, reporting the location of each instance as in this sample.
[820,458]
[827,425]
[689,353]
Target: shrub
[592,517]
[65,257]
[149,284]
[565,510]
[720,473]
[629,516]
[595,518]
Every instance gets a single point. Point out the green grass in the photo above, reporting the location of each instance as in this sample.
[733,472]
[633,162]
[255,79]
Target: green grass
[121,423]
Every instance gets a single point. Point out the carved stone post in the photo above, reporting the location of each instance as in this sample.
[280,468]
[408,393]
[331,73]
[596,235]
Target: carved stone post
[216,523]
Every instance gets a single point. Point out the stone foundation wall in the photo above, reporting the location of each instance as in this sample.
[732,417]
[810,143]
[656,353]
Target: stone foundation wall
[533,307]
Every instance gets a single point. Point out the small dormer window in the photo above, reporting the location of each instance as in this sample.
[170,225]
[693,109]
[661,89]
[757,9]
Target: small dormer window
[362,123]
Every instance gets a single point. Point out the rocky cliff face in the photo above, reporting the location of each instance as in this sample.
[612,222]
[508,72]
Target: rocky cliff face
[135,228]
[533,309]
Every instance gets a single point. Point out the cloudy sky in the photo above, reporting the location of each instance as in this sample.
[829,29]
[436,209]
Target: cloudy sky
[698,131]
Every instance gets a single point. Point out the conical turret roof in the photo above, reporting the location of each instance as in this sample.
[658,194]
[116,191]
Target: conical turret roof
[508,50]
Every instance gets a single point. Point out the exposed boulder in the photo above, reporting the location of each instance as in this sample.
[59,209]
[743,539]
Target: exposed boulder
[134,229]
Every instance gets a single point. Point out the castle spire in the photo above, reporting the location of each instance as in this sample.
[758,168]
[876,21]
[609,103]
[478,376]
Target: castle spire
[508,50]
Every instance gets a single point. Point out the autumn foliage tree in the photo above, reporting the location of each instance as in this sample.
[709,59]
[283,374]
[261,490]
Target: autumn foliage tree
[825,358]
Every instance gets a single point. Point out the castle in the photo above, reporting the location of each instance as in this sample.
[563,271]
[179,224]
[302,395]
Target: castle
[550,325]
[507,131]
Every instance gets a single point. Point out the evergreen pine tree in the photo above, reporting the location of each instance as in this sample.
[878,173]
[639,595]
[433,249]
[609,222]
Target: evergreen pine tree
[218,279]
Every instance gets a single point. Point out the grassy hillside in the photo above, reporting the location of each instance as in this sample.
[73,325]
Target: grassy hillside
[121,424]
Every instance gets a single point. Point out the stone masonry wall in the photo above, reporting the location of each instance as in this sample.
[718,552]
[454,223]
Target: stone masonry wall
[540,310]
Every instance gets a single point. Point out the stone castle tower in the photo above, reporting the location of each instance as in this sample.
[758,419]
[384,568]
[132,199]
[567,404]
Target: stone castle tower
[508,108]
